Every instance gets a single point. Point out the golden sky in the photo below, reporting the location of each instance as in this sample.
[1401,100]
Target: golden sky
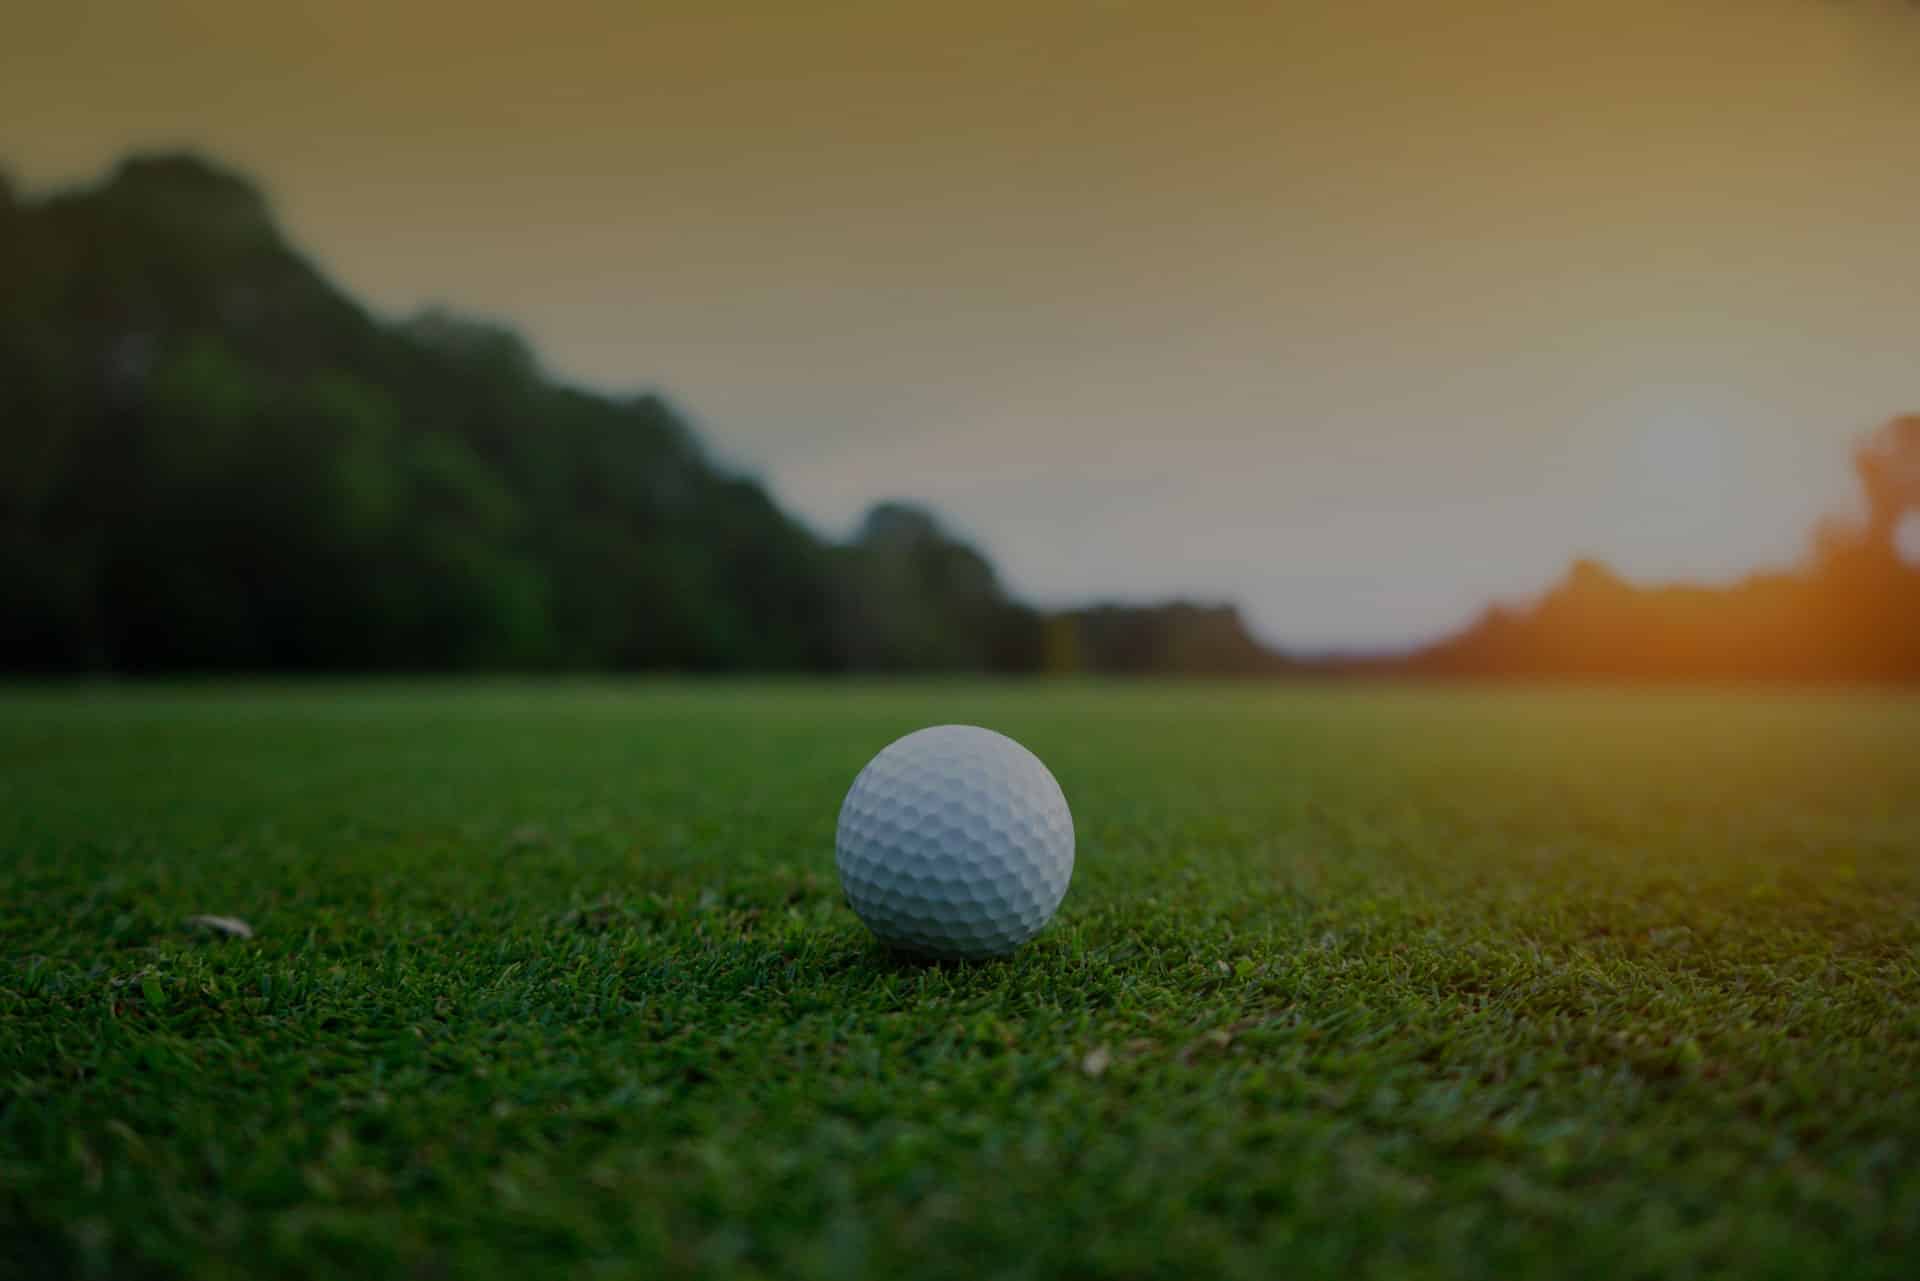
[1359,313]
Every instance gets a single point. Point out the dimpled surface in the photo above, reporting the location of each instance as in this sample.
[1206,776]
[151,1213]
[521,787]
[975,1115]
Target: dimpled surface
[955,842]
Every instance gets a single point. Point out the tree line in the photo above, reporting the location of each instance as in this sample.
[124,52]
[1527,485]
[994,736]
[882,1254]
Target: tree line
[1849,612]
[216,460]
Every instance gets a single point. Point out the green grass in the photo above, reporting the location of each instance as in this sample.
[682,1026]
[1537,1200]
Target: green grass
[556,980]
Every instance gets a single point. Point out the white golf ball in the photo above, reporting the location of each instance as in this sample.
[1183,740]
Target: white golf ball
[955,842]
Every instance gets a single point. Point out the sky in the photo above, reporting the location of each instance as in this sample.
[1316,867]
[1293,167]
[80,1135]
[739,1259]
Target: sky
[1360,315]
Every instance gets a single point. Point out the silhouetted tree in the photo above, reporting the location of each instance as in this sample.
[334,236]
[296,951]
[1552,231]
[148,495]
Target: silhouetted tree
[1852,613]
[1888,466]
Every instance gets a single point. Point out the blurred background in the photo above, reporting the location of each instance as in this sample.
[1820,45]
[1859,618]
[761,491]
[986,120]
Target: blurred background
[1564,339]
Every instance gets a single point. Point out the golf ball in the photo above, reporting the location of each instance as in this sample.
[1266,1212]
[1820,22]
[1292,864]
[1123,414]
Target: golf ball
[955,842]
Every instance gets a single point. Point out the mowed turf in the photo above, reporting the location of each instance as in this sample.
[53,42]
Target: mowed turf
[557,981]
